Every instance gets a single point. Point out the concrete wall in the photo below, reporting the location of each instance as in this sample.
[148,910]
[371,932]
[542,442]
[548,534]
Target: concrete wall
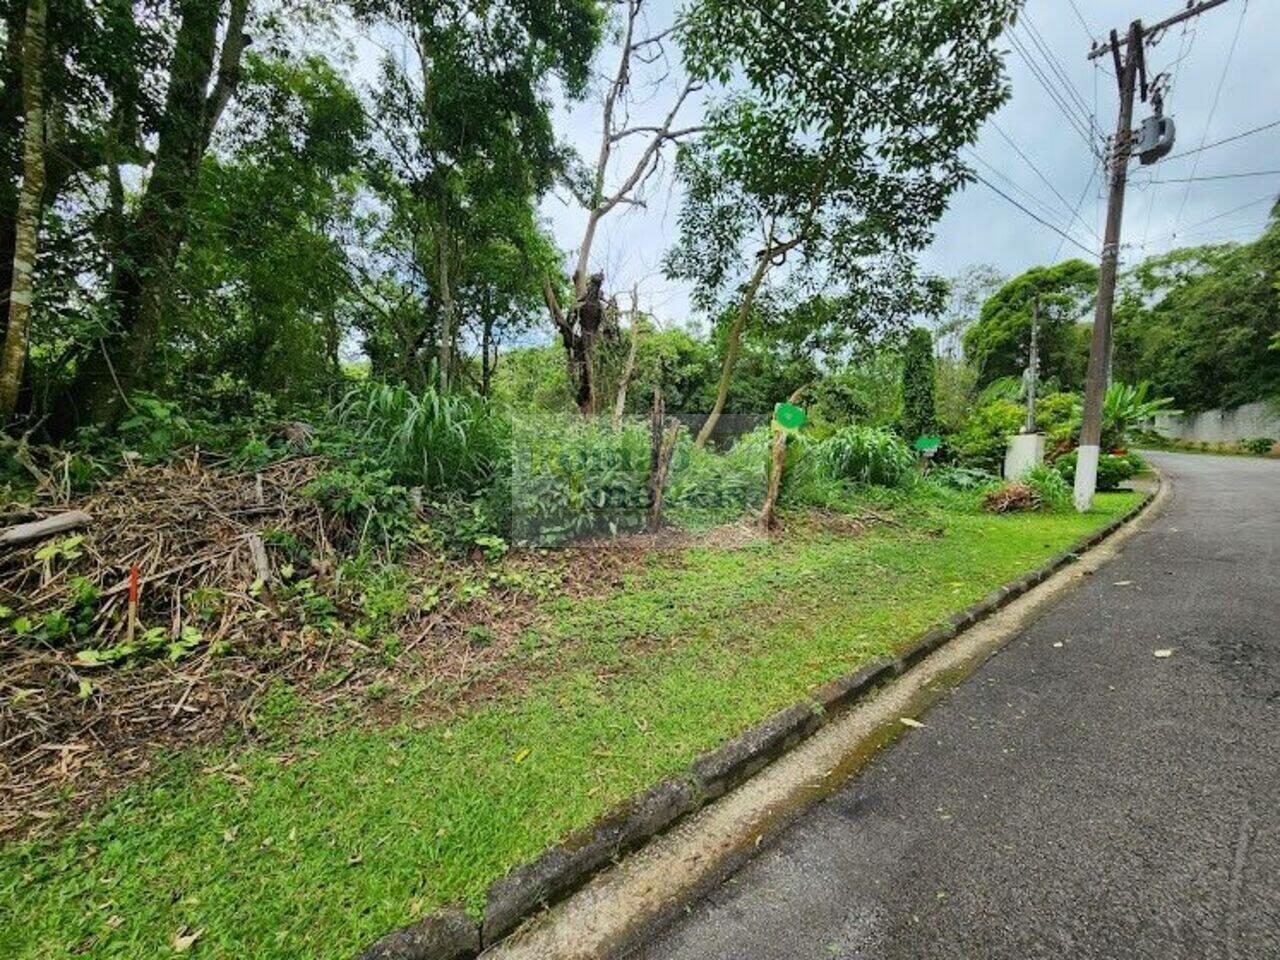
[1222,426]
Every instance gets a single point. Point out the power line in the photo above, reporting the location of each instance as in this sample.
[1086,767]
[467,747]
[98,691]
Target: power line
[1092,176]
[1269,198]
[1043,179]
[1080,126]
[1089,31]
[1045,208]
[1218,143]
[1217,94]
[1218,176]
[1056,66]
[1065,236]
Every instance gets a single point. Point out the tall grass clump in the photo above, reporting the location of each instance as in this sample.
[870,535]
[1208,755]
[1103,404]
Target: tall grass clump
[865,455]
[444,443]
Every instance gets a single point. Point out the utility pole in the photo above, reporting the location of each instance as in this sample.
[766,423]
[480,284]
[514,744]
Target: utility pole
[1130,71]
[1033,367]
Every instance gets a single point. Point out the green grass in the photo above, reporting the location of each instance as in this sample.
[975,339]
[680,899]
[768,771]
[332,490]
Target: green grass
[316,851]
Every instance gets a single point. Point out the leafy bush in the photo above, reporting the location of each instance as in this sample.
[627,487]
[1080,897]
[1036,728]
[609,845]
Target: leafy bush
[367,502]
[705,486]
[1113,469]
[1125,408]
[572,477]
[1058,417]
[1049,486]
[962,478]
[865,455]
[1257,445]
[982,442]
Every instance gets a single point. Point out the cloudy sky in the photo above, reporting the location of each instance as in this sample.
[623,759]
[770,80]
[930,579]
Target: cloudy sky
[1225,76]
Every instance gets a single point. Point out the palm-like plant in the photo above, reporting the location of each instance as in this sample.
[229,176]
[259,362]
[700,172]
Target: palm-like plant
[1127,407]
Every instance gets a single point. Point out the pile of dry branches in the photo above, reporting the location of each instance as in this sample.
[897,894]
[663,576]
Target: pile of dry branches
[196,539]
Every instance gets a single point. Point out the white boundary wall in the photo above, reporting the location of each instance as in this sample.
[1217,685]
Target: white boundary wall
[1260,419]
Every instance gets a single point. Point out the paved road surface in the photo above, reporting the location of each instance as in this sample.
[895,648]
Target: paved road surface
[1085,800]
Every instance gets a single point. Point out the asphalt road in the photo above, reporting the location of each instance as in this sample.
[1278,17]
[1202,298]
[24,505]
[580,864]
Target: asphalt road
[1077,796]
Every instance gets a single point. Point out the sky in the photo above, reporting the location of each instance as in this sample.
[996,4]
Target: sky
[1225,75]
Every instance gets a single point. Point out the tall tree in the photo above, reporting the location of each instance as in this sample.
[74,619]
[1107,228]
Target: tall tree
[842,153]
[465,114]
[919,411]
[27,232]
[202,77]
[999,343]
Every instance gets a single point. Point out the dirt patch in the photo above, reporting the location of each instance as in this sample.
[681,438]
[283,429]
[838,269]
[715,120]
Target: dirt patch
[74,728]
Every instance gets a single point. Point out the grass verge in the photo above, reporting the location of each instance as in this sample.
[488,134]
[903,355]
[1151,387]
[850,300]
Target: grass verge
[315,849]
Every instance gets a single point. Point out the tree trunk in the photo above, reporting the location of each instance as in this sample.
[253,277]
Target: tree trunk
[147,257]
[27,233]
[10,161]
[662,445]
[486,347]
[445,343]
[620,403]
[732,347]
[777,462]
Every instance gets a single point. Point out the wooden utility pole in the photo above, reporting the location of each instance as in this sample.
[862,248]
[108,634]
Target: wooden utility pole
[1033,367]
[1095,386]
[1130,69]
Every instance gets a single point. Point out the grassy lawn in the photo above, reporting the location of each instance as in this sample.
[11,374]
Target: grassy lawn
[317,847]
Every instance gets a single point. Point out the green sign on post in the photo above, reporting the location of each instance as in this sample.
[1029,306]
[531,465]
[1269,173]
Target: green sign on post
[927,445]
[789,416]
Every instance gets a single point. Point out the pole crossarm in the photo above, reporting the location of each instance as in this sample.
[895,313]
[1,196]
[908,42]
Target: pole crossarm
[1152,33]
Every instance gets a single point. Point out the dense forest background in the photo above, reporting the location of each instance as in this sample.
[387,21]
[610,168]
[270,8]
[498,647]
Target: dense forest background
[231,219]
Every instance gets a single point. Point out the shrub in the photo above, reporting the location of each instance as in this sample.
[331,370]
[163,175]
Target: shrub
[865,455]
[1058,417]
[1125,408]
[705,486]
[1113,468]
[982,442]
[1049,486]
[962,478]
[919,416]
[1258,445]
[572,478]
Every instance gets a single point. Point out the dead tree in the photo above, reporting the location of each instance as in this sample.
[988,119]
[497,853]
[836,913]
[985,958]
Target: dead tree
[599,196]
[662,444]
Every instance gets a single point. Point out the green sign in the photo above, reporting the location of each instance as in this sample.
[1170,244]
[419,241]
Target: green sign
[927,444]
[789,416]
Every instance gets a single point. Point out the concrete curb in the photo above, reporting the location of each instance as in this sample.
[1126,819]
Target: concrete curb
[452,934]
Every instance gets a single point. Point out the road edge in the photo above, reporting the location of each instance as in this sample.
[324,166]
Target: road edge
[516,901]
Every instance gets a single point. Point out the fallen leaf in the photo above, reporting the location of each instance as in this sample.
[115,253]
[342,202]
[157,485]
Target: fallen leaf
[1163,654]
[182,940]
[1058,644]
[1123,583]
[521,756]
[910,722]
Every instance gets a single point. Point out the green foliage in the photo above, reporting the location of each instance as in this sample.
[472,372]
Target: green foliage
[707,486]
[1058,417]
[999,343]
[367,502]
[441,442]
[865,455]
[1197,323]
[1125,408]
[1258,445]
[1050,487]
[572,477]
[919,415]
[1113,469]
[985,437]
[962,478]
